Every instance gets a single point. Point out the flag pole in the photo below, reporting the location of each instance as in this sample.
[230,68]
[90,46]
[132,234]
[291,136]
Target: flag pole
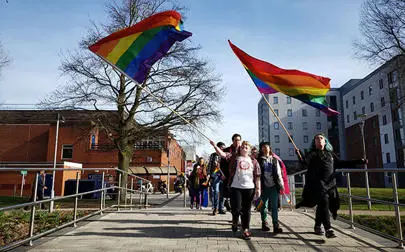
[154,96]
[282,125]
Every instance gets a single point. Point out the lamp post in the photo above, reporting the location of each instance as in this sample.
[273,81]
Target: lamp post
[363,117]
[169,138]
[60,119]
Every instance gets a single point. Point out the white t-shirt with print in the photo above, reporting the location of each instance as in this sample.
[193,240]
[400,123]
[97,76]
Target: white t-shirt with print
[243,177]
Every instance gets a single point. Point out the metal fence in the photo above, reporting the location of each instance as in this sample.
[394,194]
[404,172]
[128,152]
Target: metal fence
[395,203]
[143,199]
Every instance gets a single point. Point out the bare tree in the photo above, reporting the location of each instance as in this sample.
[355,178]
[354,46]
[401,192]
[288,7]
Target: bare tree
[181,79]
[382,27]
[4,59]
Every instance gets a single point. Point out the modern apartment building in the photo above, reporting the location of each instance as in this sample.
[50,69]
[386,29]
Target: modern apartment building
[301,120]
[374,102]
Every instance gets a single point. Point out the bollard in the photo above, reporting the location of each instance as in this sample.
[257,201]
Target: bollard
[140,195]
[75,207]
[397,212]
[126,192]
[33,209]
[349,192]
[119,192]
[102,195]
[132,188]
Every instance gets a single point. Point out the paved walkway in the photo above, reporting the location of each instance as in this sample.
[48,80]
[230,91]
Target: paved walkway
[175,228]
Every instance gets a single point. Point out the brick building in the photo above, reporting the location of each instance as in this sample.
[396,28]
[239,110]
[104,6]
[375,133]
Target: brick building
[28,137]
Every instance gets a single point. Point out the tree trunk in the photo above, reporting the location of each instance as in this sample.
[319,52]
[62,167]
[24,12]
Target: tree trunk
[124,160]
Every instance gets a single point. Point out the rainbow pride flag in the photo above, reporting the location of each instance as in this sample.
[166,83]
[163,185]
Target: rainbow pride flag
[268,78]
[135,49]
[215,172]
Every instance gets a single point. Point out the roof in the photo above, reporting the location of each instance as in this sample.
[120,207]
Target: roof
[50,116]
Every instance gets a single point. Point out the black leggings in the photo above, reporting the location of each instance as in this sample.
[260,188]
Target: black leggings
[241,203]
[322,215]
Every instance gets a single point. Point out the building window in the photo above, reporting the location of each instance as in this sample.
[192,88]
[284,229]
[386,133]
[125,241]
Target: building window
[374,141]
[93,142]
[354,99]
[363,110]
[276,111]
[290,125]
[149,159]
[388,156]
[382,102]
[362,95]
[318,113]
[305,126]
[318,126]
[371,107]
[384,120]
[275,100]
[67,151]
[390,78]
[277,151]
[288,100]
[304,113]
[291,152]
[348,119]
[347,104]
[381,83]
[373,124]
[386,139]
[370,90]
[355,115]
[276,125]
[305,139]
[289,140]
[276,138]
[289,112]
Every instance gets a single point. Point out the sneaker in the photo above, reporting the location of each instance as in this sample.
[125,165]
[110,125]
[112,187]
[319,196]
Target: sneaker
[227,205]
[234,226]
[330,234]
[265,226]
[214,212]
[221,211]
[277,229]
[318,230]
[246,235]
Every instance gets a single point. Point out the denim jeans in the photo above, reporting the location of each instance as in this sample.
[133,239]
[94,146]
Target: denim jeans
[270,194]
[217,196]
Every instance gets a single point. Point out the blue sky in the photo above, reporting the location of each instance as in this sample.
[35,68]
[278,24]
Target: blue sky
[310,35]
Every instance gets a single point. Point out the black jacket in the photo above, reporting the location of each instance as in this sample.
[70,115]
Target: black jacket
[320,178]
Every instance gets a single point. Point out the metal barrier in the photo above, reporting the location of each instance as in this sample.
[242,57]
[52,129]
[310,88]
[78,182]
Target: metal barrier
[395,203]
[76,195]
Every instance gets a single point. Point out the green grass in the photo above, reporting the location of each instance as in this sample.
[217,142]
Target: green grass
[14,225]
[375,193]
[384,224]
[9,200]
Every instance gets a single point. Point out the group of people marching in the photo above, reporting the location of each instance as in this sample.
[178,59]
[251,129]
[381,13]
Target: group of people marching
[242,174]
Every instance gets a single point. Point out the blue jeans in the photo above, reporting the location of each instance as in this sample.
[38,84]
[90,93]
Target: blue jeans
[217,196]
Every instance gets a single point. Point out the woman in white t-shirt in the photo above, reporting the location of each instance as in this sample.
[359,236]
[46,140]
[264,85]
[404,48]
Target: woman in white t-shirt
[244,180]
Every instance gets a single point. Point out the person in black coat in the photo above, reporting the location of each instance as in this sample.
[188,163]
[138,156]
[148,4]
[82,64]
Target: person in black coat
[40,189]
[320,188]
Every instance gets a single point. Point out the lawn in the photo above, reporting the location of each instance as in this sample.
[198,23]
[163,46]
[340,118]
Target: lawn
[14,225]
[375,193]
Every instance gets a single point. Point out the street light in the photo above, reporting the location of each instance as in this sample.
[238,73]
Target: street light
[169,138]
[62,120]
[362,122]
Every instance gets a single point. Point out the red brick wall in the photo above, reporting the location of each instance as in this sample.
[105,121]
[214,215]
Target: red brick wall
[23,143]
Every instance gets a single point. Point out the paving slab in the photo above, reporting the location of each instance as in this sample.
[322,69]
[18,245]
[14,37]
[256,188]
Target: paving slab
[175,228]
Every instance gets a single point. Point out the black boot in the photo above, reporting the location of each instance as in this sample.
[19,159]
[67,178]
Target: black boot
[277,229]
[265,226]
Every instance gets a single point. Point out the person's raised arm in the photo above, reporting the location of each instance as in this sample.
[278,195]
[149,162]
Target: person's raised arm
[218,150]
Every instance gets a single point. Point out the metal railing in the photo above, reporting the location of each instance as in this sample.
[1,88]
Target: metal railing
[143,195]
[350,197]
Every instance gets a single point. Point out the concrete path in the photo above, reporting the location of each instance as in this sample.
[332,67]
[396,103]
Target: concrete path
[175,228]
